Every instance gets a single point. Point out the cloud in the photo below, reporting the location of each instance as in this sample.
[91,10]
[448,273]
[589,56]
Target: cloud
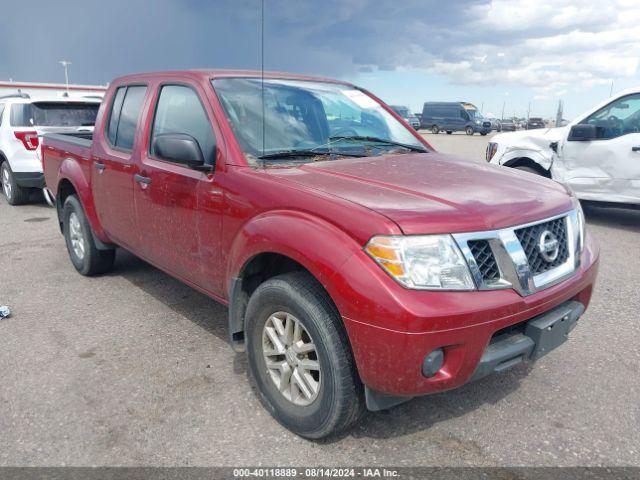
[547,45]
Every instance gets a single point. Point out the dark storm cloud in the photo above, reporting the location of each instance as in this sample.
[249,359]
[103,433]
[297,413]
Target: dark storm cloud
[472,41]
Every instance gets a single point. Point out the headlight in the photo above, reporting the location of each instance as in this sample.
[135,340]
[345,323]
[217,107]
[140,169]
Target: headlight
[478,122]
[424,262]
[492,148]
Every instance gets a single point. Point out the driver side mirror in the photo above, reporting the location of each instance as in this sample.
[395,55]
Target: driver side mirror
[180,148]
[583,132]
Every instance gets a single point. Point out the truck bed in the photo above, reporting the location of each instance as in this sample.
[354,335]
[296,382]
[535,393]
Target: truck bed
[57,147]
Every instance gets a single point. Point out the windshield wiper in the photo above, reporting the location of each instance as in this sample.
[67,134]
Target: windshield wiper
[306,153]
[383,141]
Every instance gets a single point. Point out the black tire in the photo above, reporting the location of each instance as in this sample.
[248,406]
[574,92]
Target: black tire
[340,400]
[449,132]
[483,133]
[435,129]
[468,130]
[529,169]
[15,194]
[93,261]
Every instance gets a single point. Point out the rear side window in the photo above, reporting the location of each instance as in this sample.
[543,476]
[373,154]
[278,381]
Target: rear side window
[179,110]
[125,112]
[1,112]
[54,114]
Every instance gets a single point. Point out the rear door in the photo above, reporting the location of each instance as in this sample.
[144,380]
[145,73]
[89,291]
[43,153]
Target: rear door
[607,168]
[178,208]
[114,164]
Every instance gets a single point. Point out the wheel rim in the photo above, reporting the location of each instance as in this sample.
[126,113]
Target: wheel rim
[6,182]
[76,235]
[291,358]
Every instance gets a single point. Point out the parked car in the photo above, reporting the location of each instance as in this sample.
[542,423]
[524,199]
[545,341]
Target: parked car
[453,117]
[507,125]
[22,121]
[360,267]
[495,123]
[597,155]
[535,122]
[405,113]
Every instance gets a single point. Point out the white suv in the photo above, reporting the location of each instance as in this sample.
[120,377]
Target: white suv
[23,120]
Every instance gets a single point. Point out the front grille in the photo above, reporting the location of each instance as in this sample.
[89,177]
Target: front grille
[481,251]
[487,124]
[530,238]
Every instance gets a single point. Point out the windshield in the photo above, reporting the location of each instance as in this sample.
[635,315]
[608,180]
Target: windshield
[310,117]
[54,114]
[475,114]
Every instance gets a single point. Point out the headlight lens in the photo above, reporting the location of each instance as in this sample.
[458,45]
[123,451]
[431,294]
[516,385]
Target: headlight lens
[492,148]
[426,262]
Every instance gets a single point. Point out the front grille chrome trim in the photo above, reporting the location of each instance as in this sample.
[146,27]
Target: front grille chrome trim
[512,261]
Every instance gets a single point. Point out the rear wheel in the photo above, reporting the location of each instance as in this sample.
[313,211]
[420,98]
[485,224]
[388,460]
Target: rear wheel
[468,130]
[299,357]
[84,254]
[435,130]
[449,132]
[14,194]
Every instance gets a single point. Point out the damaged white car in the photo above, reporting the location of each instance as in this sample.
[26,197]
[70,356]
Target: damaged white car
[597,155]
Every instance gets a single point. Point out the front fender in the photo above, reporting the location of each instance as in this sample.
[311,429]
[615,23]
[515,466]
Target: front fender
[316,244]
[539,156]
[71,171]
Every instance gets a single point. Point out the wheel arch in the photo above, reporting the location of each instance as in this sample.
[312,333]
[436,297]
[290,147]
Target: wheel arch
[527,162]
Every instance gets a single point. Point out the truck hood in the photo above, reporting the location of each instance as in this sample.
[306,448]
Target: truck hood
[434,193]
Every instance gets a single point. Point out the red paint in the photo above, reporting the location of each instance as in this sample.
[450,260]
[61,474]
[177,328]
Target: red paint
[202,228]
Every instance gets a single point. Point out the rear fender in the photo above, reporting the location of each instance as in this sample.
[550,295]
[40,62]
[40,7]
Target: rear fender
[71,171]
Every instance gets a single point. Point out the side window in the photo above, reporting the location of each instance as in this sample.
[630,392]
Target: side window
[618,118]
[464,114]
[131,106]
[1,112]
[114,116]
[179,110]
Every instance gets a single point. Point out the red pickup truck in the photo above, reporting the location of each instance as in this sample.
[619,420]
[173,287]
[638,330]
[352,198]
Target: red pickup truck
[360,267]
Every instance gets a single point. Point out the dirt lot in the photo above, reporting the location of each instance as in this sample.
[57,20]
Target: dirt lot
[133,368]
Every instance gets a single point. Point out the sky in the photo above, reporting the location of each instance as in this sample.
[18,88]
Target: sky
[502,55]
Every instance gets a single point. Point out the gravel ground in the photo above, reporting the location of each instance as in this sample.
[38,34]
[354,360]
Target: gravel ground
[133,368]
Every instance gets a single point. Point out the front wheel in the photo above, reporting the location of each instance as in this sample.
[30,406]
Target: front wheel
[14,194]
[468,130]
[299,357]
[84,254]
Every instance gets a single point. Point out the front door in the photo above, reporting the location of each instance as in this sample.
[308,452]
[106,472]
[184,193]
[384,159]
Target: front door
[114,166]
[177,207]
[608,167]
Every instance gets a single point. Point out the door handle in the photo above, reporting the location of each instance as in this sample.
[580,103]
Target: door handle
[142,180]
[635,149]
[100,166]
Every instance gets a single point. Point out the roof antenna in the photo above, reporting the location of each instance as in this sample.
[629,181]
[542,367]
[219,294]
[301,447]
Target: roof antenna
[262,72]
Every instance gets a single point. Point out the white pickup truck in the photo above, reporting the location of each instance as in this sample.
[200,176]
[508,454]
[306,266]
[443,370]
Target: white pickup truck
[597,155]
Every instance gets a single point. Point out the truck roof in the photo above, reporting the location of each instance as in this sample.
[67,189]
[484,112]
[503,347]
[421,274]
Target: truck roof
[220,73]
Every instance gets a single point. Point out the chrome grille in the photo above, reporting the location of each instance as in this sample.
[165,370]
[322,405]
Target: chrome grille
[529,239]
[512,257]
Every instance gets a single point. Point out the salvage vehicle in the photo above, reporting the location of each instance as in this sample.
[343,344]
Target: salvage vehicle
[23,120]
[453,117]
[535,122]
[360,267]
[405,113]
[597,155]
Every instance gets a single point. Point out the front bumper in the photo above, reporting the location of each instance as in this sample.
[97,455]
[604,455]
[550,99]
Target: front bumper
[392,329]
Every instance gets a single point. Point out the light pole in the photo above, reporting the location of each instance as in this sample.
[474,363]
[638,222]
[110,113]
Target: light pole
[65,64]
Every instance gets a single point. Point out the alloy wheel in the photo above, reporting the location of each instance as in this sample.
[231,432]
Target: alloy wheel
[291,358]
[76,235]
[6,182]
